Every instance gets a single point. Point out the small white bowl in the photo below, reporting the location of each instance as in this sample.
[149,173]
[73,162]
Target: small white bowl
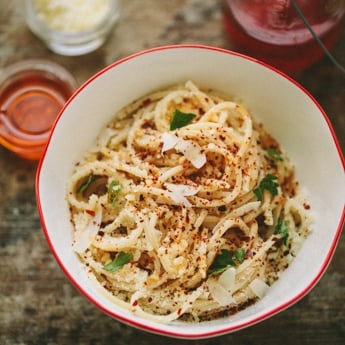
[63,35]
[287,110]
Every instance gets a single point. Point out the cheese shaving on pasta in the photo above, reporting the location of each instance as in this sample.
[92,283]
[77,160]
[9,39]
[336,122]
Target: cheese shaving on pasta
[191,223]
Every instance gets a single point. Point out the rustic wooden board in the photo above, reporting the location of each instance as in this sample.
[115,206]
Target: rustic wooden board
[38,305]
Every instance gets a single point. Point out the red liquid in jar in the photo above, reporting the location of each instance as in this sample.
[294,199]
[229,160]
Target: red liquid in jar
[29,104]
[272,31]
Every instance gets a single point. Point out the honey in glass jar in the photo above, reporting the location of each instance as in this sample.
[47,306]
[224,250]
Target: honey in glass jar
[32,93]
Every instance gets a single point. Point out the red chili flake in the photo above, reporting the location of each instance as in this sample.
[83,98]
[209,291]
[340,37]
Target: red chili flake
[146,102]
[90,212]
[135,303]
[185,164]
[306,206]
[179,311]
[146,124]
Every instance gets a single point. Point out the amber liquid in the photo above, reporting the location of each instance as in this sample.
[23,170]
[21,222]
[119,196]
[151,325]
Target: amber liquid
[29,105]
[272,31]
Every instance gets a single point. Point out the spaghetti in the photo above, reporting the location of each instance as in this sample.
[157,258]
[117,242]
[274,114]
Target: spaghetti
[186,208]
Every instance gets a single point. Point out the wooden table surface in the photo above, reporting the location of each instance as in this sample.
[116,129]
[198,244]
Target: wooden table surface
[38,305]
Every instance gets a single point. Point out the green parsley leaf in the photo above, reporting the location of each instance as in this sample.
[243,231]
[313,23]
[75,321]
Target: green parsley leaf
[239,255]
[282,229]
[84,186]
[275,154]
[269,182]
[120,260]
[180,119]
[114,190]
[226,260]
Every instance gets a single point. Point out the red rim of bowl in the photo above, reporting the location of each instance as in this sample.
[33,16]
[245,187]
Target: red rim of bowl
[225,329]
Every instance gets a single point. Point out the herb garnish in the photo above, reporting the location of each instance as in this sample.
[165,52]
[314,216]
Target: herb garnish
[180,119]
[84,186]
[120,260]
[273,153]
[226,260]
[282,229]
[267,183]
[114,189]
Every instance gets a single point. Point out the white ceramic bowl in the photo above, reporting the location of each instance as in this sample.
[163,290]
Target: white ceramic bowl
[285,108]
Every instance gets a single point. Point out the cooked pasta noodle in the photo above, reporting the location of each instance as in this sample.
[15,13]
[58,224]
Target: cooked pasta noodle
[191,222]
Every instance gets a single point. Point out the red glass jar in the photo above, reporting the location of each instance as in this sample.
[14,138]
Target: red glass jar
[273,32]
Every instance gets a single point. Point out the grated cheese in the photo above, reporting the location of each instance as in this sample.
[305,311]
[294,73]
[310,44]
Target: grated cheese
[83,239]
[179,192]
[192,151]
[72,16]
[259,287]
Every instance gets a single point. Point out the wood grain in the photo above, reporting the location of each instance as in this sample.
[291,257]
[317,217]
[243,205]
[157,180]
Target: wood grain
[38,305]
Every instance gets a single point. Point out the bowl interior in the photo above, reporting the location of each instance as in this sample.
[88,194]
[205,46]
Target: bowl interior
[285,109]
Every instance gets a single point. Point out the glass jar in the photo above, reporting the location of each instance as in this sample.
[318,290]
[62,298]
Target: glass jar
[72,27]
[272,30]
[32,93]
